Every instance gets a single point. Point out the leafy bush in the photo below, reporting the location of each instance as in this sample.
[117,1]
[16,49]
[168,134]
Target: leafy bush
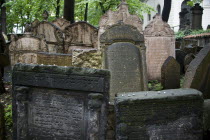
[155,85]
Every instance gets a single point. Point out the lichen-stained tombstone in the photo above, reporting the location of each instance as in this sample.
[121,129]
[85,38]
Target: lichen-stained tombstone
[2,123]
[61,23]
[170,74]
[160,43]
[124,55]
[64,103]
[198,73]
[80,35]
[25,49]
[122,14]
[167,115]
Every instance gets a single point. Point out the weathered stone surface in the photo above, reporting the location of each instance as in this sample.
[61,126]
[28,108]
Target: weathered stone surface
[124,55]
[170,74]
[197,12]
[180,55]
[51,102]
[198,73]
[122,14]
[2,123]
[61,23]
[206,119]
[185,16]
[80,35]
[87,58]
[168,114]
[160,43]
[54,59]
[188,58]
[25,49]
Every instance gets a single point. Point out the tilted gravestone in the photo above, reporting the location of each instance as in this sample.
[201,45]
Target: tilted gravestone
[2,123]
[198,73]
[124,55]
[169,114]
[160,43]
[170,74]
[62,103]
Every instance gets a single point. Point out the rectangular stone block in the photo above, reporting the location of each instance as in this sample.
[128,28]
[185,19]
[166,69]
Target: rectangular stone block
[62,103]
[167,115]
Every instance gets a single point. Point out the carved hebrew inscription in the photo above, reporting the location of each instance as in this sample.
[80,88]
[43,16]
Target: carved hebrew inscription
[54,115]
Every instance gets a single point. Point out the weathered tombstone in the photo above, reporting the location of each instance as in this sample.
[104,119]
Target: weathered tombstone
[54,59]
[61,23]
[25,49]
[180,55]
[170,74]
[80,35]
[2,123]
[124,55]
[51,102]
[188,58]
[185,16]
[197,12]
[198,73]
[122,14]
[206,119]
[160,43]
[166,115]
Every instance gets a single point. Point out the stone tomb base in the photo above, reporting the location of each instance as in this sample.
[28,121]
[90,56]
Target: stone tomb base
[166,115]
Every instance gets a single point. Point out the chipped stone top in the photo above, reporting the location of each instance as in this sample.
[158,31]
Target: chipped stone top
[113,17]
[61,23]
[157,27]
[172,94]
[60,70]
[122,32]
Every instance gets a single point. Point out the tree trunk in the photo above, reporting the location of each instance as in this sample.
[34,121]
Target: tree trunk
[69,10]
[57,8]
[86,12]
[3,18]
[166,10]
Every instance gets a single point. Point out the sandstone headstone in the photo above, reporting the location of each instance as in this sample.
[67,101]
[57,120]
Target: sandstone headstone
[54,59]
[124,55]
[198,73]
[185,16]
[197,12]
[51,102]
[168,114]
[160,43]
[170,74]
[122,14]
[80,35]
[2,123]
[25,49]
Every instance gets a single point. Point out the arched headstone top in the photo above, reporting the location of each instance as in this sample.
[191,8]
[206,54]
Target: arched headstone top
[157,27]
[122,33]
[61,23]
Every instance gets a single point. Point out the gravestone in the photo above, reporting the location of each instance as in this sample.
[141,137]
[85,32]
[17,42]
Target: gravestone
[185,16]
[63,103]
[54,59]
[180,55]
[170,74]
[122,14]
[80,35]
[138,115]
[2,123]
[25,49]
[160,43]
[197,12]
[61,23]
[124,55]
[188,58]
[198,73]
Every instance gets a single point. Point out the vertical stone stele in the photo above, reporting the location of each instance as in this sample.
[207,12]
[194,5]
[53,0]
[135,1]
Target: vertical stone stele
[160,44]
[168,115]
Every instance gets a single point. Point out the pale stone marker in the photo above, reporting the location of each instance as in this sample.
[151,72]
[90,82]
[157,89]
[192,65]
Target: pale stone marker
[160,43]
[62,103]
[170,74]
[198,73]
[166,115]
[124,55]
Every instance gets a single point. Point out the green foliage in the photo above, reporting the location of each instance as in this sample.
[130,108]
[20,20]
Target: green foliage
[193,2]
[181,81]
[8,117]
[154,85]
[181,34]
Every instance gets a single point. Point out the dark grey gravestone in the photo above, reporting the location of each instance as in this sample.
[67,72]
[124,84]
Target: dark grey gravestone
[198,73]
[2,123]
[197,12]
[123,61]
[166,115]
[180,55]
[170,74]
[62,103]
